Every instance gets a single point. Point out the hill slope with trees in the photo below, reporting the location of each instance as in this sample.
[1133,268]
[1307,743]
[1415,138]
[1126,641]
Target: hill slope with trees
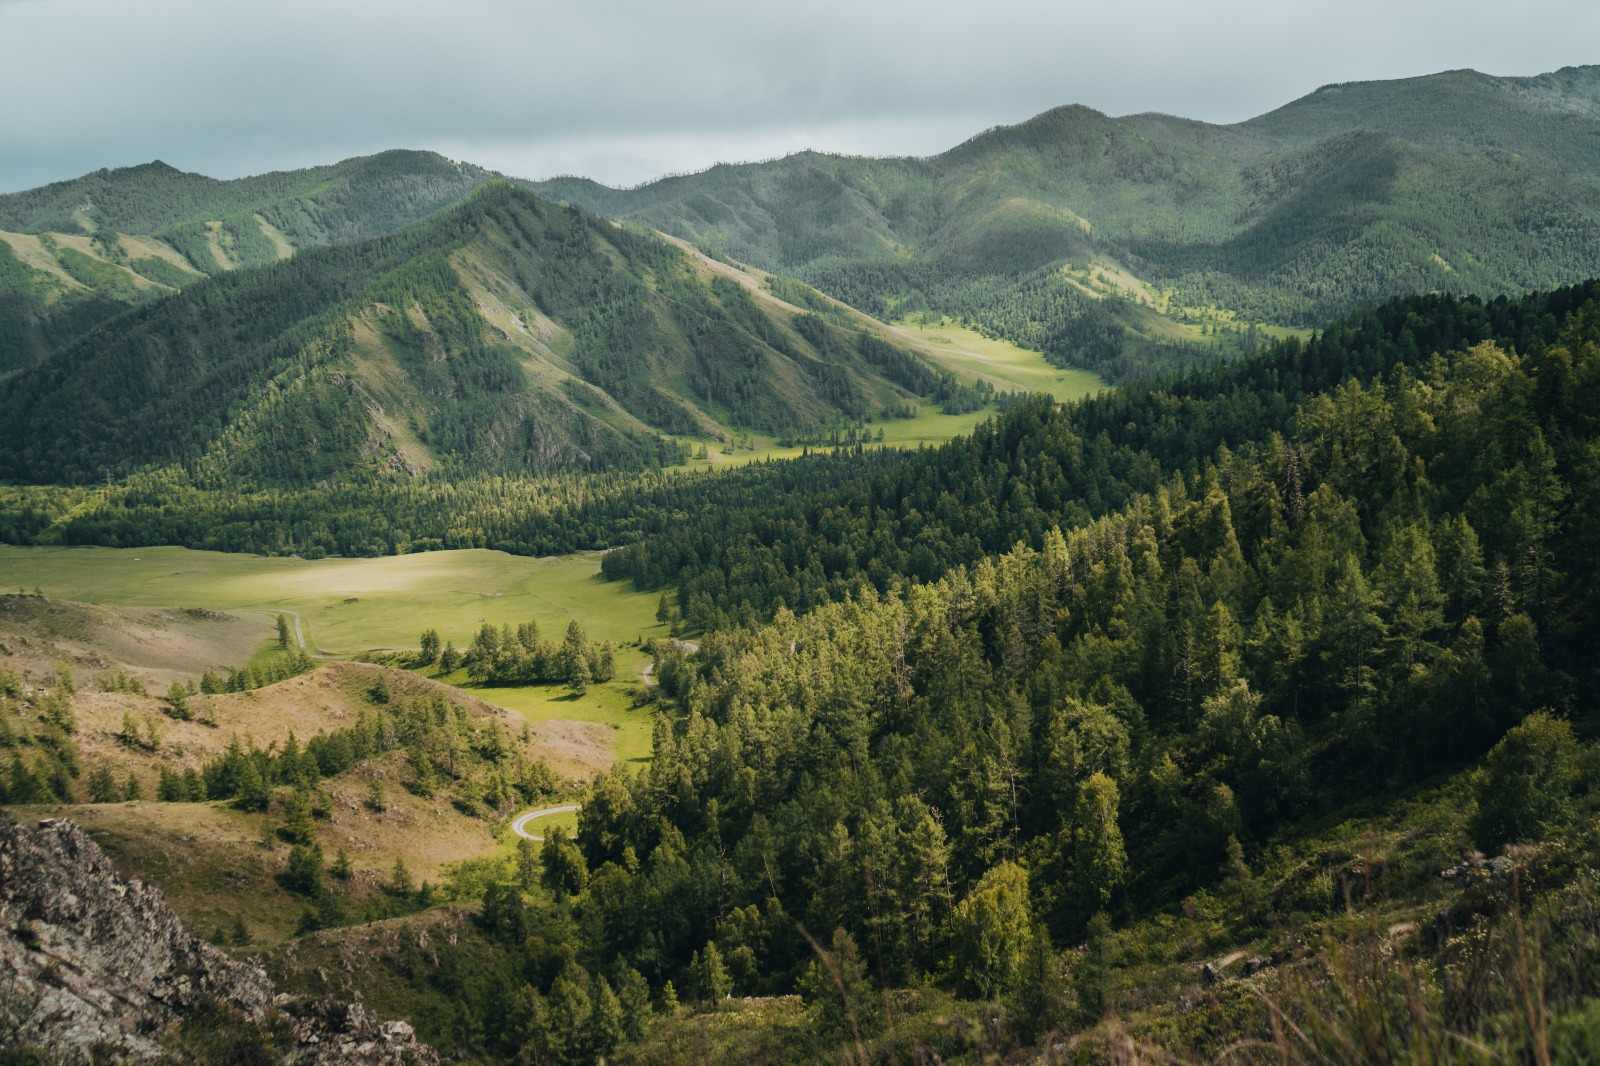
[1120,243]
[509,335]
[76,252]
[1138,736]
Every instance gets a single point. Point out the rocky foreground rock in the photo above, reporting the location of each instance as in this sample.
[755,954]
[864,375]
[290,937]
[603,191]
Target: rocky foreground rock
[95,967]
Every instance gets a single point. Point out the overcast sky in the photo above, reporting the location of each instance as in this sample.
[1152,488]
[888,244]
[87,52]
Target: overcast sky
[623,91]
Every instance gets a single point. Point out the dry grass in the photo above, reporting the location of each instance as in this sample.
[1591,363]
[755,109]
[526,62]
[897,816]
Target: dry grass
[280,244]
[328,698]
[28,248]
[157,645]
[141,246]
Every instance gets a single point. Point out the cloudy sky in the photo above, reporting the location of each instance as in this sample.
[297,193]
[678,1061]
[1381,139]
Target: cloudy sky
[623,90]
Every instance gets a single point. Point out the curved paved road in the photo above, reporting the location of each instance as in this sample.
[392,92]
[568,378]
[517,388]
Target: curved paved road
[687,645]
[520,826]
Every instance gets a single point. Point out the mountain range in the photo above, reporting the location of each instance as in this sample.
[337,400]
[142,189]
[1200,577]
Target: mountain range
[507,334]
[1244,711]
[257,321]
[1457,182]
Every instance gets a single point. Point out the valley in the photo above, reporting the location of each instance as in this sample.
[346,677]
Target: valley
[1120,589]
[105,617]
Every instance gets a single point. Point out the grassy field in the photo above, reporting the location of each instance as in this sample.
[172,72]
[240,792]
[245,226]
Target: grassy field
[610,704]
[348,606]
[931,426]
[971,355]
[967,354]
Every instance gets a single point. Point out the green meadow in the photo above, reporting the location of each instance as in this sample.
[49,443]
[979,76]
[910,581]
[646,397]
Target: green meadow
[966,353]
[609,704]
[349,606]
[971,355]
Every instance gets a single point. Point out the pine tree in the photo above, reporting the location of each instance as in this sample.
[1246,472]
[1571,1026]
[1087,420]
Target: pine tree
[634,996]
[400,881]
[605,1019]
[711,980]
[178,702]
[563,869]
[297,827]
[1100,863]
[253,791]
[102,786]
[304,872]
[840,1000]
[1093,972]
[527,865]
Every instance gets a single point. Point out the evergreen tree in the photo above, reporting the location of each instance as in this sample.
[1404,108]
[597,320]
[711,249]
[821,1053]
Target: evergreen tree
[633,994]
[711,981]
[606,1027]
[400,880]
[563,870]
[102,786]
[304,872]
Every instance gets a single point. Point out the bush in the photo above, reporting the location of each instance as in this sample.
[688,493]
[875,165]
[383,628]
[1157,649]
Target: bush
[1525,787]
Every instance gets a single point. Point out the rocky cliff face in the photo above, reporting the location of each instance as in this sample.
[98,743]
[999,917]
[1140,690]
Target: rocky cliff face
[94,966]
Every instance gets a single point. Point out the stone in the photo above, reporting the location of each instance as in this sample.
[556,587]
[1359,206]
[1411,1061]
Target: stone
[94,966]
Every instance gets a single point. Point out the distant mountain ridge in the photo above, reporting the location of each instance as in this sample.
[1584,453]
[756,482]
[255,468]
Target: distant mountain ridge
[506,335]
[1067,231]
[77,252]
[1124,245]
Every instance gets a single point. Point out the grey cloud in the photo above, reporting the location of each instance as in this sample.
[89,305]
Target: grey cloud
[622,89]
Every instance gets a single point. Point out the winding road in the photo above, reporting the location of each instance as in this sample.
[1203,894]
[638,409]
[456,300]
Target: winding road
[687,645]
[520,826]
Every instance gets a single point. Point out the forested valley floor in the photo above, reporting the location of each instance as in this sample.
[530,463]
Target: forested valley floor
[1246,713]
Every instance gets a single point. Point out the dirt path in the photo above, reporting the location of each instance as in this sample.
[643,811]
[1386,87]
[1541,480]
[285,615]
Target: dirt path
[300,636]
[520,826]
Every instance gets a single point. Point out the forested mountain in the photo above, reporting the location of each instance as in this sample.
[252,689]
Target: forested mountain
[507,335]
[1126,245]
[1119,726]
[76,252]
[1114,242]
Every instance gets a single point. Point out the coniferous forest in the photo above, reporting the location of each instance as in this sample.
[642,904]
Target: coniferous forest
[1247,709]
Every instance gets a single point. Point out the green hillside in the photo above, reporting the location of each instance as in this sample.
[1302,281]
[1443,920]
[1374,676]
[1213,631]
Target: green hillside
[1123,244]
[507,335]
[76,252]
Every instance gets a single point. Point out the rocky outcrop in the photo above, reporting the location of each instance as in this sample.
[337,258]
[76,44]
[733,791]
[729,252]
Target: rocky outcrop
[94,966]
